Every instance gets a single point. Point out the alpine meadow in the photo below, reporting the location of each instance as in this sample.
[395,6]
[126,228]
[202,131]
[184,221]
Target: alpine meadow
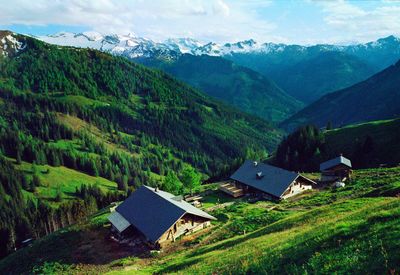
[200,137]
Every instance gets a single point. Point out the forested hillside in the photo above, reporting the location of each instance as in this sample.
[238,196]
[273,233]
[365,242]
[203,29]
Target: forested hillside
[375,98]
[309,72]
[371,144]
[239,86]
[80,117]
[312,78]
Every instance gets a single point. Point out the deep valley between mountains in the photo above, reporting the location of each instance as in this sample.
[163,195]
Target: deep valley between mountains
[121,155]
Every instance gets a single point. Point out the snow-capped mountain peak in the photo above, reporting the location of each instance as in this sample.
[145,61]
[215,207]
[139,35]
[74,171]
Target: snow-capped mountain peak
[132,46]
[91,36]
[183,45]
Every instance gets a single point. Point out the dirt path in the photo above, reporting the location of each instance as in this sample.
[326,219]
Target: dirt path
[220,206]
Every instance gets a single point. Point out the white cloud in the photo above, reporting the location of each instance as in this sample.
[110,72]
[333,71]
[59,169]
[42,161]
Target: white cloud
[362,23]
[220,7]
[290,21]
[204,19]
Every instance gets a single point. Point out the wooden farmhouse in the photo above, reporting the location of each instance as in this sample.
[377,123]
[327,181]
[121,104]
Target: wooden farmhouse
[337,169]
[158,216]
[267,181]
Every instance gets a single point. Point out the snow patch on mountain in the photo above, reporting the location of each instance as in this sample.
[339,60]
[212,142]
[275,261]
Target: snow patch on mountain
[182,45]
[10,45]
[133,46]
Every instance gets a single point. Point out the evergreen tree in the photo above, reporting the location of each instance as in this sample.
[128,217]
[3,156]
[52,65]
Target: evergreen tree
[368,145]
[329,125]
[58,197]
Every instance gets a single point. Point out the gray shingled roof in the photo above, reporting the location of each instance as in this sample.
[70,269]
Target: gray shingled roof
[118,221]
[153,213]
[273,180]
[333,162]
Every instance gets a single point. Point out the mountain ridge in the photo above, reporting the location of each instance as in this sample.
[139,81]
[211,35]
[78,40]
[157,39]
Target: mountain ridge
[337,66]
[193,46]
[375,98]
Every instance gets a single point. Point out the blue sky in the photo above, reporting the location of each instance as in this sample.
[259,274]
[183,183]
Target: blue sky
[288,21]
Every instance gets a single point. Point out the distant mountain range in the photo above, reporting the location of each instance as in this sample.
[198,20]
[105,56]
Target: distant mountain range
[304,72]
[378,97]
[309,72]
[133,46]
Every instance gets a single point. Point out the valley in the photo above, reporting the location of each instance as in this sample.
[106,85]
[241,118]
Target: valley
[88,121]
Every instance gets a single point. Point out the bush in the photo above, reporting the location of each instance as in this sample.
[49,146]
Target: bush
[52,268]
[125,261]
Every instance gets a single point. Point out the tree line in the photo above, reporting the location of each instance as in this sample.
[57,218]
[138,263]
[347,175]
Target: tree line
[306,148]
[22,218]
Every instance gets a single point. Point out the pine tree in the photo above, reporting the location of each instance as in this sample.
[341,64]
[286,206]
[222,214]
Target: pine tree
[58,197]
[329,125]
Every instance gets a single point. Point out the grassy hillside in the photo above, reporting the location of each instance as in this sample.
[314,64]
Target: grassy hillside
[354,229]
[220,78]
[370,144]
[88,117]
[375,98]
[383,133]
[133,100]
[61,179]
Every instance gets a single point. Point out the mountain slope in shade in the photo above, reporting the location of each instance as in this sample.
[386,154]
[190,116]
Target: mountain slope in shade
[375,98]
[312,78]
[307,73]
[244,88]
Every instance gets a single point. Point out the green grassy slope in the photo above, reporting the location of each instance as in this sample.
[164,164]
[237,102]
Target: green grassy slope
[350,230]
[64,179]
[385,135]
[375,98]
[370,144]
[90,117]
[244,88]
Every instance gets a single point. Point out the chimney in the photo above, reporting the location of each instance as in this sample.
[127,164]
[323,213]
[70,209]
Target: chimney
[259,175]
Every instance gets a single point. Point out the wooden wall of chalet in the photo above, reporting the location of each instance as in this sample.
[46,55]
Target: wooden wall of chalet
[187,224]
[298,186]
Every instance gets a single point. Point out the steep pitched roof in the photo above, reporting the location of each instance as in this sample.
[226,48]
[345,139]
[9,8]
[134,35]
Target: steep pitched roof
[272,180]
[333,162]
[154,212]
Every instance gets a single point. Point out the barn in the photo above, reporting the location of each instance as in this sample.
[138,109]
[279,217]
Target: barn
[267,181]
[337,169]
[160,217]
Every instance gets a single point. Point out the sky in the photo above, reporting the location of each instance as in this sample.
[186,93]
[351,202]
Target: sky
[279,21]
